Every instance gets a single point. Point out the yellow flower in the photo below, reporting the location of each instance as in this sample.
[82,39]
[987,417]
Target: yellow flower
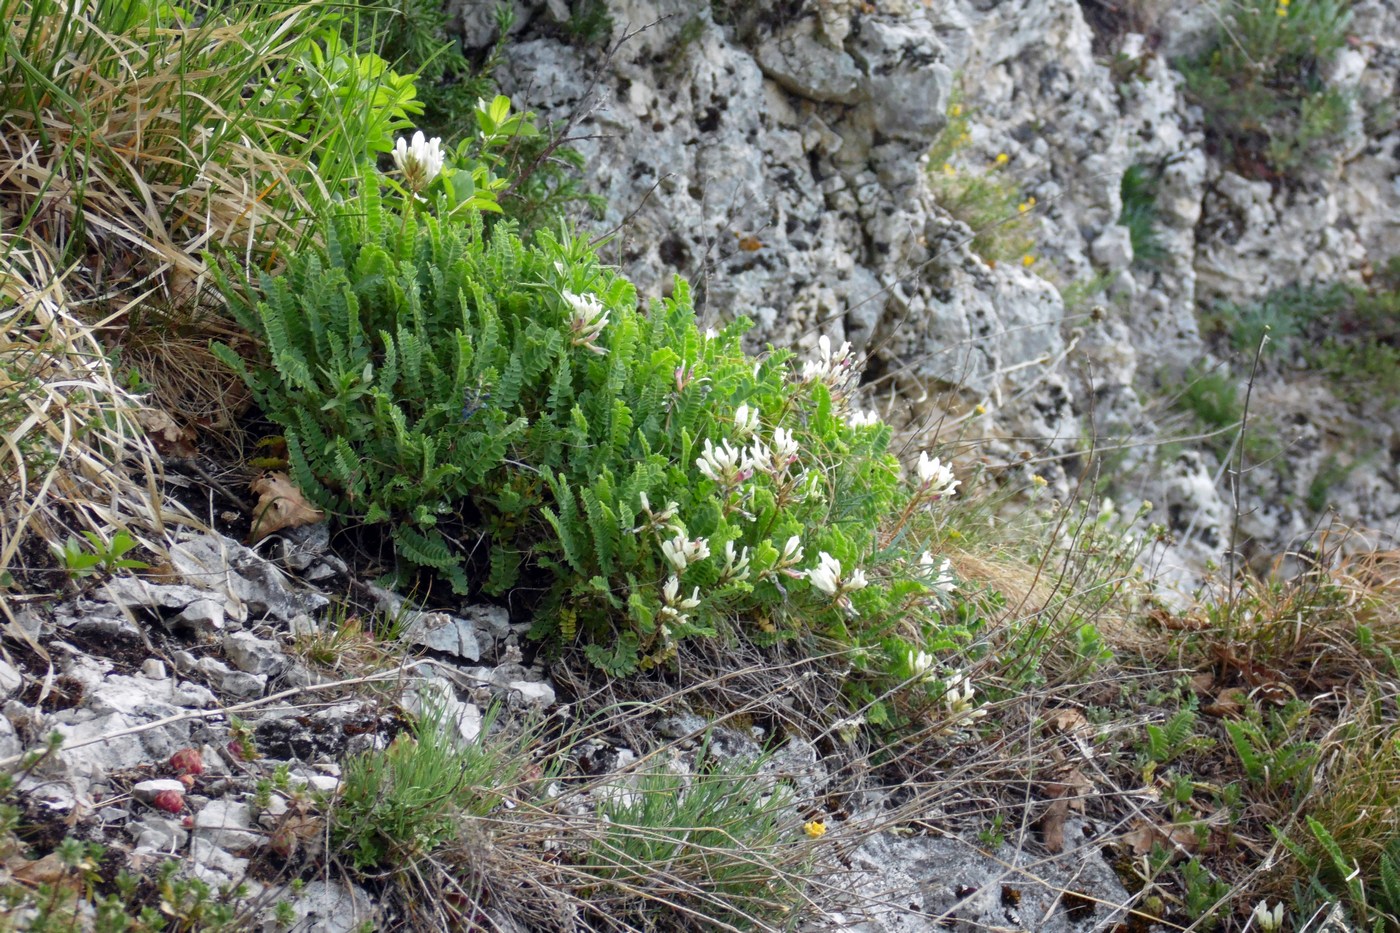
[815,829]
[1028,260]
[980,410]
[1038,480]
[949,170]
[1282,11]
[955,110]
[1026,205]
[1003,158]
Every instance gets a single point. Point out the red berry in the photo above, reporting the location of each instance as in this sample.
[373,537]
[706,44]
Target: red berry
[187,761]
[171,801]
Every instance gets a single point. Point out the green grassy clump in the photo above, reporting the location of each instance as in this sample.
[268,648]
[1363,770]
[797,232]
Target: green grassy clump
[984,197]
[1350,333]
[405,801]
[720,842]
[1262,83]
[1139,215]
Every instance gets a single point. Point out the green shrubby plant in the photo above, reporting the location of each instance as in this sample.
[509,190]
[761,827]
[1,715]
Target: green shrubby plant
[1263,83]
[984,197]
[1348,332]
[511,417]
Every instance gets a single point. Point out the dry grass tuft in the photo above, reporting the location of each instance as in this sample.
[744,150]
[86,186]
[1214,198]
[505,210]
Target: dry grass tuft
[73,458]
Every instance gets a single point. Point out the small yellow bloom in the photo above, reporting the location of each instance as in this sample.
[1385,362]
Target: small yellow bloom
[1003,158]
[1039,480]
[1028,260]
[980,410]
[815,829]
[949,170]
[955,110]
[1282,11]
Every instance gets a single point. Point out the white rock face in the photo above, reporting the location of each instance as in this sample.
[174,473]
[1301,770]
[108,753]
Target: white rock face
[774,160]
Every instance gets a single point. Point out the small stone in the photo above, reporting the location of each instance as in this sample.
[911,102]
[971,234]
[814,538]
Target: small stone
[439,631]
[254,655]
[203,616]
[153,669]
[227,824]
[538,695]
[10,680]
[193,695]
[158,834]
[146,790]
[239,683]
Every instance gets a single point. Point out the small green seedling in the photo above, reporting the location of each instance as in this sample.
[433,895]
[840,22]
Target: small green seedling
[81,560]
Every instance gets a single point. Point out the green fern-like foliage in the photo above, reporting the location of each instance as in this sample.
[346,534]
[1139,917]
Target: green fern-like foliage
[511,417]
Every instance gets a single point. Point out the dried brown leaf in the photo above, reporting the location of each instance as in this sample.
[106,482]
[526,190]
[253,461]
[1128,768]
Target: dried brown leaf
[170,439]
[280,505]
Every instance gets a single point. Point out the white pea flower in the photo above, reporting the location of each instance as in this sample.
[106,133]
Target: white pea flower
[711,333]
[775,460]
[958,697]
[832,368]
[921,663]
[745,422]
[785,447]
[675,606]
[935,478]
[792,553]
[1268,920]
[863,419]
[419,160]
[587,321]
[725,464]
[671,593]
[656,519]
[680,552]
[826,576]
[941,577]
[736,565]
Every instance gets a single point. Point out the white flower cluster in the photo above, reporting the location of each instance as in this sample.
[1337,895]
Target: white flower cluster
[790,558]
[419,160]
[680,551]
[827,577]
[834,368]
[1269,921]
[674,606]
[941,577]
[657,520]
[745,422]
[935,477]
[958,697]
[724,463]
[587,321]
[921,663]
[736,564]
[775,459]
[862,418]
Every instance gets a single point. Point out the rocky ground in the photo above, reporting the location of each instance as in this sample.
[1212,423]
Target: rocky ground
[775,155]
